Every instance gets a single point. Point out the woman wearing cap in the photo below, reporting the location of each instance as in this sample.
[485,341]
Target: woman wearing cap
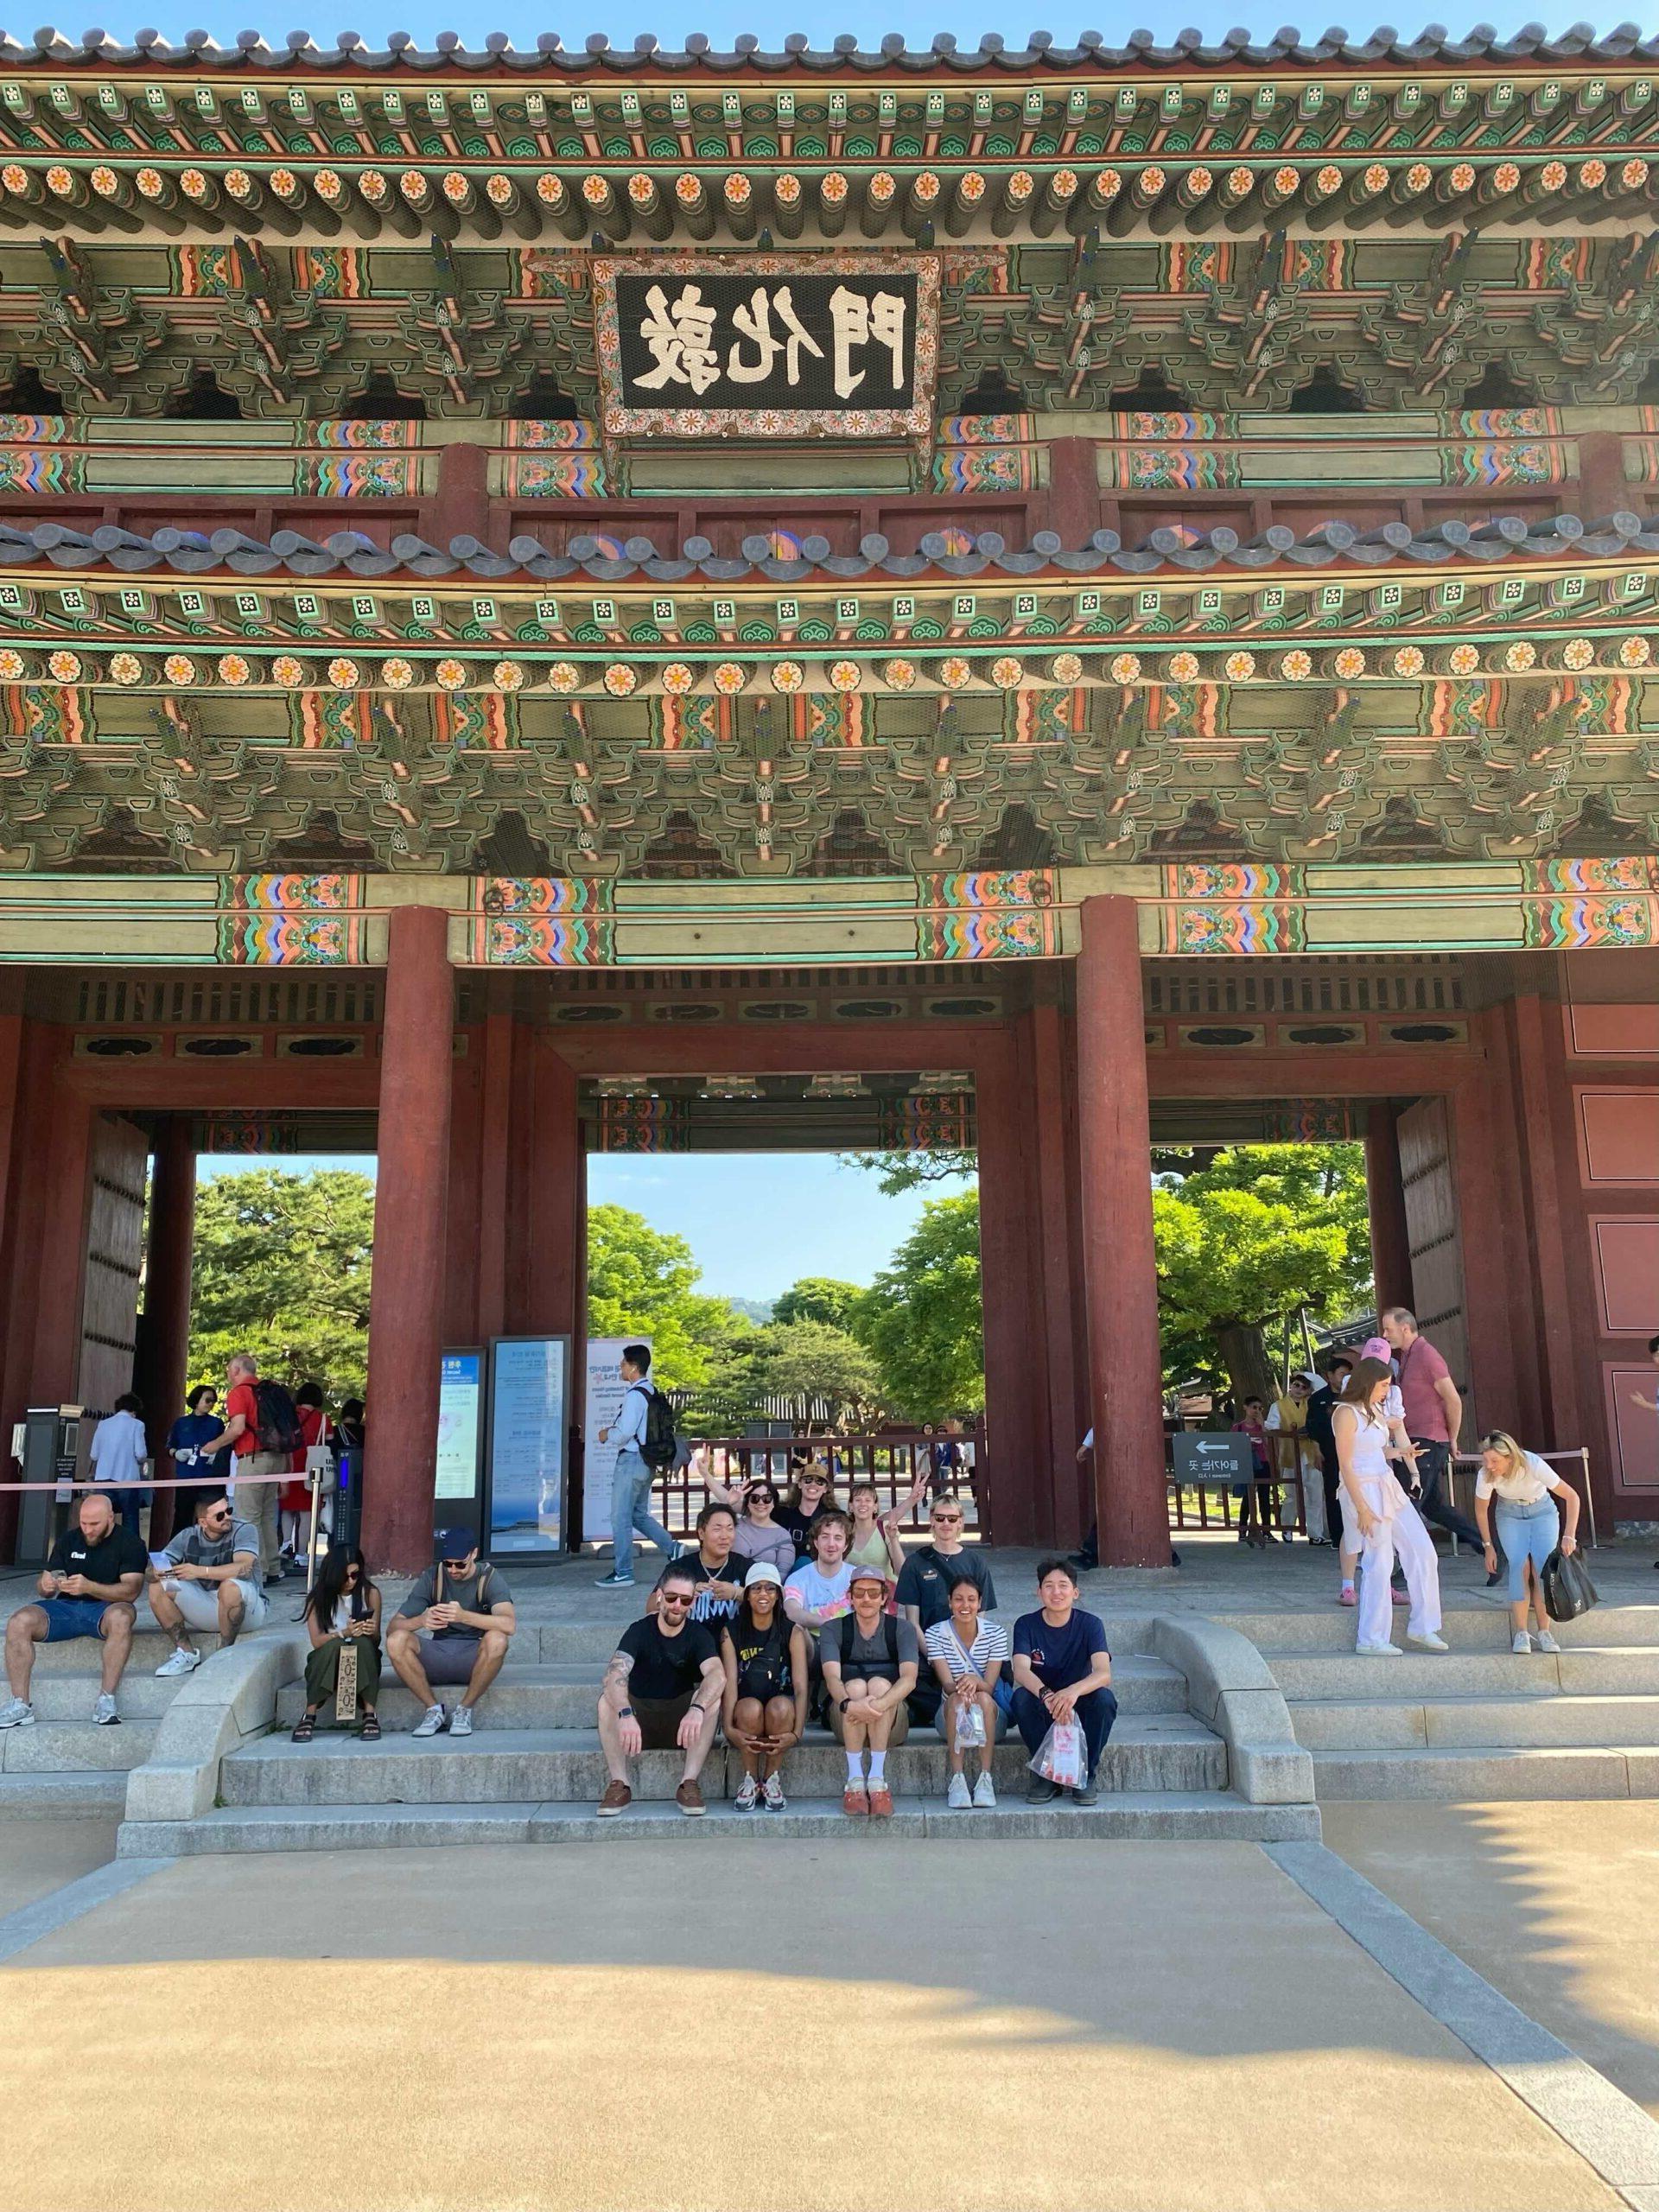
[763,1707]
[1385,1519]
[807,1497]
[1393,1408]
[1528,1526]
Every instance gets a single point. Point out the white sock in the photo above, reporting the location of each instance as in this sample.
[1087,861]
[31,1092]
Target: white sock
[878,1766]
[854,1766]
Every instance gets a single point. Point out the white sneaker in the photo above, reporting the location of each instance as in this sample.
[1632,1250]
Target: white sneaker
[984,1795]
[183,1659]
[20,1714]
[460,1720]
[748,1794]
[1430,1642]
[1521,1644]
[958,1796]
[430,1722]
[1545,1642]
[104,1712]
[1377,1650]
[772,1795]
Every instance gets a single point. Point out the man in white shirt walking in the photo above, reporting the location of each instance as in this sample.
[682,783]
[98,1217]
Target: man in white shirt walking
[632,1478]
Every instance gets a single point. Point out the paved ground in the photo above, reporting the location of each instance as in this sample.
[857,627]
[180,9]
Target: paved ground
[1556,1905]
[37,1856]
[1143,2026]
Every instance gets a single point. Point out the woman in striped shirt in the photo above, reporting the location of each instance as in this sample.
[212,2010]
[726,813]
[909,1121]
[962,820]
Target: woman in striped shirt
[967,1654]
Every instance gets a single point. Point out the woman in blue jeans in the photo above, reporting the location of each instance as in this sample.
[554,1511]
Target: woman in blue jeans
[1522,1485]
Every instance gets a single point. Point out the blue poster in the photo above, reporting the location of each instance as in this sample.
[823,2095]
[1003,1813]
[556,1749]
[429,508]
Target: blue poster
[530,1423]
[461,1394]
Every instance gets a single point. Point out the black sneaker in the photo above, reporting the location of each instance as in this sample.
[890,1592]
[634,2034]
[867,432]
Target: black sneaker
[1039,1790]
[1087,1794]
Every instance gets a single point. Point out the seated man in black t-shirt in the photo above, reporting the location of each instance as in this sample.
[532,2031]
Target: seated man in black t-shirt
[661,1692]
[869,1658]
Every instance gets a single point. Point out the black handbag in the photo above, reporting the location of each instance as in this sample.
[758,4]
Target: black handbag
[1568,1590]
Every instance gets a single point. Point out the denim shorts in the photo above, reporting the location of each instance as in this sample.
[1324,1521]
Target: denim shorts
[70,1617]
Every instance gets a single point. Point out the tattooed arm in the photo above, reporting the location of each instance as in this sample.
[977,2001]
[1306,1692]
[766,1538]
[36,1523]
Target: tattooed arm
[614,1690]
[617,1721]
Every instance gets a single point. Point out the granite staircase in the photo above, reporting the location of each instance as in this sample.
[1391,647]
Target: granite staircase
[1478,1722]
[533,1772]
[66,1765]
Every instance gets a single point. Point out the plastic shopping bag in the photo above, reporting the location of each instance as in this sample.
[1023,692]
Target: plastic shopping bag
[1062,1756]
[1568,1590]
[970,1725]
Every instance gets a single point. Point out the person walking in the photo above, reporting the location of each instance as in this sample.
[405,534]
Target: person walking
[1385,1519]
[343,1609]
[1515,1487]
[1434,1417]
[120,1448]
[632,1478]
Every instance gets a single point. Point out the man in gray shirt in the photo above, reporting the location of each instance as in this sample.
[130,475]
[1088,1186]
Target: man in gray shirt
[869,1658]
[211,1582]
[631,1481]
[454,1626]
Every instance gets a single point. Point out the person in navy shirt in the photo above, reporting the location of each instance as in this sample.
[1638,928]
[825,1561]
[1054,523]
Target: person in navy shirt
[1062,1671]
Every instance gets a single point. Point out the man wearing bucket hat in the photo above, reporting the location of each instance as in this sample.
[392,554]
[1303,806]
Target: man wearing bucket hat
[870,1658]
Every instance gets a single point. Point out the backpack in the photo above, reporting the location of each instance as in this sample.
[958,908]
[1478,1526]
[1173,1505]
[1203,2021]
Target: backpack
[658,1446]
[277,1428]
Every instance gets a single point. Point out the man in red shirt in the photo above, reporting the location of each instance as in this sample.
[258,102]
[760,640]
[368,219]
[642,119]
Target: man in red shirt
[258,1500]
[1433,1416]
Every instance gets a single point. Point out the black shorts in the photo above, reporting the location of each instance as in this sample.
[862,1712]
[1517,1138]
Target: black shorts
[659,1719]
[763,1691]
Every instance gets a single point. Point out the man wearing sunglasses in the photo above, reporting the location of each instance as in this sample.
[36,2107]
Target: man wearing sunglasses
[454,1627]
[661,1692]
[926,1580]
[211,1581]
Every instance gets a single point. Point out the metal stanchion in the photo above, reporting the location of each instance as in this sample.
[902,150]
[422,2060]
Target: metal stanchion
[314,1483]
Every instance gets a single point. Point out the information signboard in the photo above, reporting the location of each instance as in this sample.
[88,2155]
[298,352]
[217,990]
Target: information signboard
[461,1426]
[529,1441]
[1206,1456]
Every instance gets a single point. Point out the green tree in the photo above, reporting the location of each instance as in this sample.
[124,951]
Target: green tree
[281,1270]
[810,1359]
[1253,1235]
[642,1281]
[898,1172]
[922,1316]
[817,1297]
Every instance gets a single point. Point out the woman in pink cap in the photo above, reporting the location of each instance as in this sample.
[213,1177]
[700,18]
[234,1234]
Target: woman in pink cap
[1393,1410]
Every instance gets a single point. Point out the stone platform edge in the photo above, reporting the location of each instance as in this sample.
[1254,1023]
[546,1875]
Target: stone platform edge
[230,1699]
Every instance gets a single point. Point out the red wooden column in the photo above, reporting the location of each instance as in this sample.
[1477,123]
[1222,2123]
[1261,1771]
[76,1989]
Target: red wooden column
[1385,1202]
[164,1339]
[1119,1270]
[1015,1435]
[1045,1064]
[406,1302]
[1488,1310]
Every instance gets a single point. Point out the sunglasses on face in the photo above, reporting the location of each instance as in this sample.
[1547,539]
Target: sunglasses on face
[949,1520]
[679,1603]
[453,1565]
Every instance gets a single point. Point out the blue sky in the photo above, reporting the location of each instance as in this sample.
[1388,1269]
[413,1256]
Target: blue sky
[671,21]
[756,1220]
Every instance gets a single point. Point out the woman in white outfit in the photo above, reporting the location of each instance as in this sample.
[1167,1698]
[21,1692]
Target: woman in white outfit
[1386,1519]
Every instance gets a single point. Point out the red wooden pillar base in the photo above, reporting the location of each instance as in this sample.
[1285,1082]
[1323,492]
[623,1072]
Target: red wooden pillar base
[406,1302]
[1120,1270]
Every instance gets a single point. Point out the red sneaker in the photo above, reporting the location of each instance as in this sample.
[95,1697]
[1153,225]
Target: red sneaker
[855,1800]
[881,1802]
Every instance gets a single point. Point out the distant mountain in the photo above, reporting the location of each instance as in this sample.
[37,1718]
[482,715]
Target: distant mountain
[758,1309]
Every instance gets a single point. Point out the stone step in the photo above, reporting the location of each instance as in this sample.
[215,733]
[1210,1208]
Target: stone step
[1216,1815]
[1586,1670]
[149,1648]
[1147,1752]
[77,1794]
[1476,1723]
[1471,1776]
[563,1694]
[594,1639]
[1482,1626]
[75,1747]
[71,1697]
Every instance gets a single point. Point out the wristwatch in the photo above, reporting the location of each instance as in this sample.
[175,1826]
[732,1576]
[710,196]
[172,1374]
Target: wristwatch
[625,1712]
[841,1704]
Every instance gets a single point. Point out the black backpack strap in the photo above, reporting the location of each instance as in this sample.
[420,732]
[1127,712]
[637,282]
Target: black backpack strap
[891,1621]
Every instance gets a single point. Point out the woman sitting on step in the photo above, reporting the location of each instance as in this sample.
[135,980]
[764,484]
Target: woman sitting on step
[1380,1520]
[342,1613]
[763,1707]
[1528,1525]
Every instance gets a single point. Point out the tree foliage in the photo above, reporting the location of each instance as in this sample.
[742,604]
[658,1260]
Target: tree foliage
[922,1315]
[897,1172]
[642,1281]
[812,1359]
[817,1297]
[281,1269]
[1257,1234]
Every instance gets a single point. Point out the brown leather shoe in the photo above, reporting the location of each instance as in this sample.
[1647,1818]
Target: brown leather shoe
[689,1798]
[881,1802]
[617,1799]
[855,1801]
